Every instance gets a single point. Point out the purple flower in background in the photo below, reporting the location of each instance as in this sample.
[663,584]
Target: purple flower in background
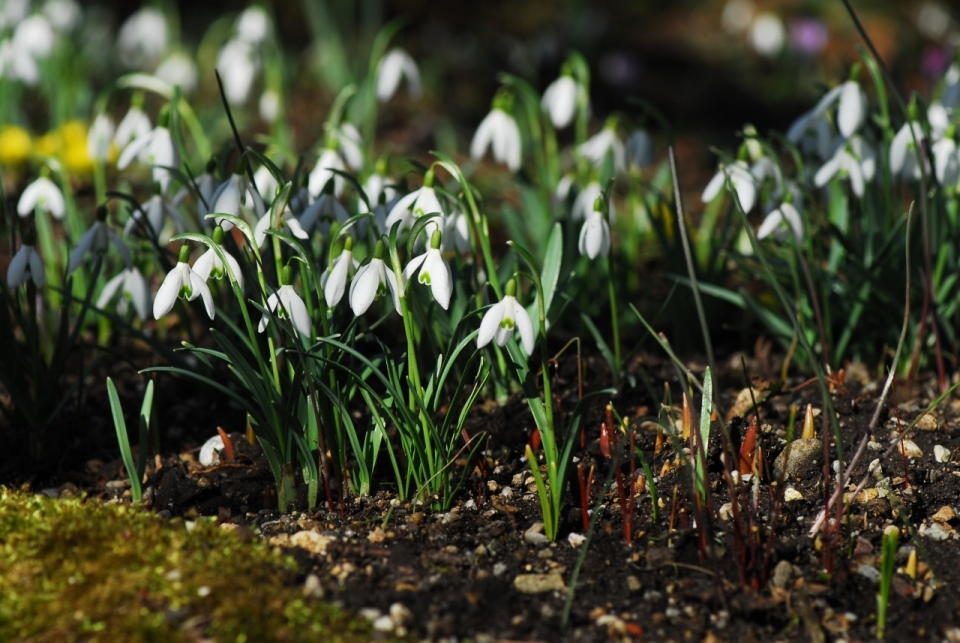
[934,62]
[809,36]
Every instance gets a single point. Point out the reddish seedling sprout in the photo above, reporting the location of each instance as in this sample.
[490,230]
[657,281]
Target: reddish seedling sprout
[586,484]
[686,421]
[748,448]
[227,444]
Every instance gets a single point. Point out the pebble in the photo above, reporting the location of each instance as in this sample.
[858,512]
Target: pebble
[383,624]
[936,531]
[499,569]
[400,613]
[576,539]
[538,583]
[208,452]
[633,583]
[312,587]
[781,574]
[534,535]
[910,448]
[927,422]
[944,514]
[799,453]
[791,495]
[941,453]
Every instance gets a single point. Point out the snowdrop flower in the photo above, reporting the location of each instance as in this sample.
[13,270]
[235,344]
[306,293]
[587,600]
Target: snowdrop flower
[142,38]
[238,64]
[63,15]
[603,143]
[135,124]
[333,281]
[99,138]
[854,160]
[18,64]
[350,144]
[765,168]
[372,280]
[235,193]
[946,161]
[904,157]
[767,34]
[266,183]
[852,111]
[329,160]
[269,106]
[742,181]
[96,241]
[456,233]
[375,186]
[154,209]
[253,25]
[562,191]
[939,117]
[286,303]
[34,36]
[178,69]
[639,152]
[288,223]
[135,289]
[595,233]
[503,318]
[209,264]
[182,282]
[156,149]
[42,195]
[13,12]
[560,99]
[394,66]
[778,220]
[415,205]
[851,114]
[499,131]
[322,212]
[26,264]
[586,199]
[206,185]
[434,271]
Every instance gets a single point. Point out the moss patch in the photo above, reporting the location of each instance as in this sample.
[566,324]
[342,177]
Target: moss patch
[75,570]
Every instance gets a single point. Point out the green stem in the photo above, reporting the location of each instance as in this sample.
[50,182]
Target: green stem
[615,317]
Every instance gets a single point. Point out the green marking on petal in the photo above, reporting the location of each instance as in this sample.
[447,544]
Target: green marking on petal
[507,323]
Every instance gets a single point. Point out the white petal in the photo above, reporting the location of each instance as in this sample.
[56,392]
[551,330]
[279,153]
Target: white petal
[441,280]
[898,148]
[18,266]
[490,323]
[363,289]
[80,250]
[793,218]
[271,305]
[525,326]
[713,187]
[168,293]
[203,266]
[133,150]
[121,247]
[137,286]
[110,290]
[483,136]
[852,110]
[296,310]
[401,210]
[770,224]
[560,101]
[411,268]
[201,288]
[826,172]
[234,269]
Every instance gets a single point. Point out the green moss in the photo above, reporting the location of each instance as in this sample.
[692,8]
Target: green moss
[72,570]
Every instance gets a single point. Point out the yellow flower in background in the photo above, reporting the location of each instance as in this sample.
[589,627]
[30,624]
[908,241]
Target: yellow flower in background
[15,145]
[69,144]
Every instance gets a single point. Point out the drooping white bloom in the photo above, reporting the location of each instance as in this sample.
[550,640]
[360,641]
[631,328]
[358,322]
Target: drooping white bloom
[456,233]
[26,264]
[854,160]
[780,222]
[42,195]
[269,106]
[96,241]
[373,187]
[13,12]
[34,36]
[143,38]
[583,204]
[503,318]
[99,137]
[498,131]
[851,115]
[253,25]
[742,181]
[156,149]
[394,66]
[852,112]
[235,193]
[210,265]
[63,15]
[324,210]
[329,160]
[178,69]
[904,158]
[560,100]
[416,204]
[289,223]
[18,64]
[351,145]
[595,233]
[266,184]
[154,210]
[135,124]
[604,142]
[946,162]
[334,280]
[765,168]
[767,34]
[373,279]
[287,303]
[135,289]
[434,272]
[182,282]
[939,117]
[238,65]
[639,151]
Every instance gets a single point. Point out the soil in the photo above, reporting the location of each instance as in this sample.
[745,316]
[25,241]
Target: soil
[482,571]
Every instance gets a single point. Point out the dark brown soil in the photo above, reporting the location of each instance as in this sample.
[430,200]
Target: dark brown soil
[691,576]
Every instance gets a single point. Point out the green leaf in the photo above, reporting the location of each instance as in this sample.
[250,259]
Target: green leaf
[120,425]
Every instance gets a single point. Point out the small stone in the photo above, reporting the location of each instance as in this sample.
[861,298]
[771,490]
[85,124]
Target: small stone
[910,449]
[534,535]
[312,587]
[499,569]
[415,518]
[209,455]
[492,485]
[480,550]
[941,453]
[781,574]
[449,518]
[377,535]
[203,591]
[383,624]
[370,613]
[507,493]
[863,497]
[944,514]
[927,422]
[633,583]
[312,541]
[576,539]
[52,492]
[117,485]
[791,495]
[796,456]
[400,614]
[936,531]
[952,635]
[869,572]
[538,583]
[726,511]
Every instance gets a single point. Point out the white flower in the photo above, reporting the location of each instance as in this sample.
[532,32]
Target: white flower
[34,36]
[939,117]
[99,137]
[26,264]
[238,64]
[434,272]
[288,223]
[373,279]
[742,181]
[253,25]
[329,160]
[182,282]
[334,280]
[232,195]
[414,205]
[322,212]
[852,112]
[64,15]
[767,34]
[639,151]
[946,163]
[503,318]
[136,289]
[269,106]
[777,221]
[764,168]
[499,131]
[374,186]
[595,233]
[96,240]
[178,69]
[397,64]
[904,158]
[560,100]
[206,185]
[43,195]
[587,197]
[287,303]
[209,264]
[351,145]
[12,12]
[604,142]
[155,208]
[142,38]
[18,64]
[266,183]
[135,124]
[856,160]
[155,149]
[456,233]
[851,115]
